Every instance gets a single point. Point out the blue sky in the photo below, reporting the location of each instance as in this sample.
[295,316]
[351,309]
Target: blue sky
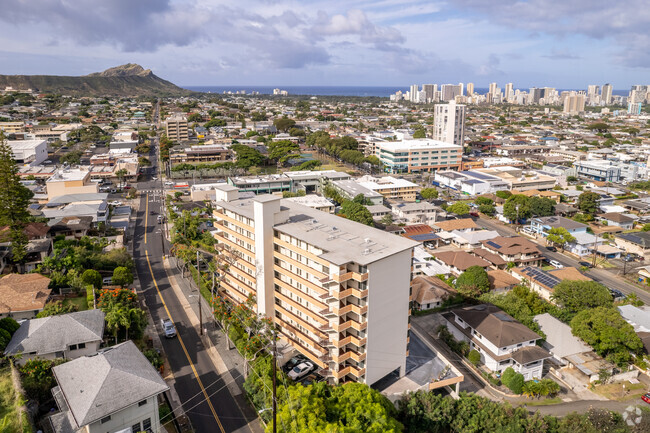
[557,43]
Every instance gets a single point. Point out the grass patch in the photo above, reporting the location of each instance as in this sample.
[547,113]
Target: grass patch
[336,167]
[548,268]
[615,391]
[545,402]
[10,401]
[79,301]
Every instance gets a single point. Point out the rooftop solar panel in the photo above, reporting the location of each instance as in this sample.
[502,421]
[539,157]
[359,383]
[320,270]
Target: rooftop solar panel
[424,237]
[493,244]
[477,175]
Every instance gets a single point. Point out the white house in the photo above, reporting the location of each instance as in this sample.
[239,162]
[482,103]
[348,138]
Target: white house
[114,391]
[501,340]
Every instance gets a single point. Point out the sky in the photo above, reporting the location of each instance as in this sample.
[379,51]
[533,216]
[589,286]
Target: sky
[555,43]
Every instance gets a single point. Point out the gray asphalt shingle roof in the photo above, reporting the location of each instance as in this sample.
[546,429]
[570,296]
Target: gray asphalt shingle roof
[97,386]
[55,333]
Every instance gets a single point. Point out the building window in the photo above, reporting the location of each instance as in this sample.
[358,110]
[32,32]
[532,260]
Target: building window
[73,347]
[106,419]
[146,424]
[82,345]
[142,403]
[136,428]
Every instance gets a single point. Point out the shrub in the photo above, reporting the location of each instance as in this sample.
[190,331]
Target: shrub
[474,357]
[513,380]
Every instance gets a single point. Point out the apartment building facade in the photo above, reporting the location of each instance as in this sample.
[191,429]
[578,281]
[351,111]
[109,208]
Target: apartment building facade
[337,290]
[418,156]
[177,129]
[449,123]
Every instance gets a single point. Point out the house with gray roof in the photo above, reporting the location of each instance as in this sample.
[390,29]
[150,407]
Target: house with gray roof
[114,391]
[66,336]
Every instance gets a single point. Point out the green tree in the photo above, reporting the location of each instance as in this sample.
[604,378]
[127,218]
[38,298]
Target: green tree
[487,209]
[356,212]
[71,158]
[121,174]
[122,276]
[588,202]
[429,193]
[387,219]
[542,206]
[14,199]
[560,236]
[283,150]
[574,296]
[598,126]
[93,278]
[513,380]
[517,208]
[284,124]
[608,333]
[483,201]
[473,281]
[420,133]
[56,308]
[474,357]
[504,195]
[459,208]
[247,156]
[194,117]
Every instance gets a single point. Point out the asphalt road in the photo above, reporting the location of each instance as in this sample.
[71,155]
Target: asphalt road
[609,278]
[203,393]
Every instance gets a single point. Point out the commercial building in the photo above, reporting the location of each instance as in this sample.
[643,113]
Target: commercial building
[12,127]
[177,129]
[519,179]
[28,152]
[338,290]
[420,155]
[390,188]
[294,181]
[449,123]
[350,189]
[598,170]
[66,181]
[208,153]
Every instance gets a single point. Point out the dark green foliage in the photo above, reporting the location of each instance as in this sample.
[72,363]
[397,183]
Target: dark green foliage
[483,201]
[9,324]
[575,296]
[503,194]
[56,308]
[522,304]
[93,278]
[473,282]
[355,211]
[460,347]
[247,156]
[608,333]
[513,380]
[429,193]
[517,208]
[122,276]
[284,124]
[283,150]
[542,206]
[588,202]
[459,208]
[474,357]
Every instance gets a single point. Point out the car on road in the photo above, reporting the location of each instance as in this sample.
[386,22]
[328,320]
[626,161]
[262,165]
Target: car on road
[168,183]
[153,212]
[556,264]
[298,359]
[116,203]
[617,295]
[47,161]
[160,219]
[301,370]
[551,248]
[586,264]
[646,398]
[168,328]
[107,280]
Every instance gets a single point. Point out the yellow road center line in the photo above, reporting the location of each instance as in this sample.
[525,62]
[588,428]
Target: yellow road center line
[196,374]
[146,218]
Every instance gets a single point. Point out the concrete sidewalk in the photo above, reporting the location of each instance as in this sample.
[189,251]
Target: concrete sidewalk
[228,363]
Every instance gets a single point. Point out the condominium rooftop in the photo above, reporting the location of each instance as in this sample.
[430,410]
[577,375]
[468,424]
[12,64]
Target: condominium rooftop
[68,174]
[422,143]
[378,183]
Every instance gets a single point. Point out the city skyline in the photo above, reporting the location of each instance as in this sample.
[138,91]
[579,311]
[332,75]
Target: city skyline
[386,43]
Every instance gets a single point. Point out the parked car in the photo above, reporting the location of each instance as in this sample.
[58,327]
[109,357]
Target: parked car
[293,362]
[312,378]
[107,280]
[586,264]
[551,248]
[301,370]
[646,398]
[160,219]
[168,328]
[556,264]
[617,295]
[47,161]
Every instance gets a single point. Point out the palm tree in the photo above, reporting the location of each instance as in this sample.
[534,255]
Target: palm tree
[121,173]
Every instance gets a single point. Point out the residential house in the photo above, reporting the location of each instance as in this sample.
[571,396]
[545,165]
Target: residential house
[451,225]
[617,219]
[501,281]
[416,213]
[422,233]
[544,282]
[639,318]
[424,264]
[65,336]
[72,227]
[560,341]
[495,260]
[644,274]
[542,225]
[638,242]
[429,292]
[501,340]
[114,391]
[515,249]
[23,296]
[467,239]
[457,262]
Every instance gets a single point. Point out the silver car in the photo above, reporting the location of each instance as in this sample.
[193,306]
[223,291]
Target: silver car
[168,328]
[301,370]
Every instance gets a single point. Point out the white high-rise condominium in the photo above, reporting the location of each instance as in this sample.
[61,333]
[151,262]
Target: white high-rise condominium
[461,87]
[492,90]
[413,93]
[449,123]
[593,91]
[430,91]
[470,89]
[606,97]
[449,91]
[574,103]
[508,94]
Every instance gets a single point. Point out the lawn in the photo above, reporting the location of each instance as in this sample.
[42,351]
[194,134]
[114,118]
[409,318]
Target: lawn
[544,402]
[79,301]
[10,421]
[615,391]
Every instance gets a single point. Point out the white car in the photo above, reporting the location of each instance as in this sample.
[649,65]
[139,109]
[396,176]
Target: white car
[168,183]
[301,370]
[556,264]
[107,280]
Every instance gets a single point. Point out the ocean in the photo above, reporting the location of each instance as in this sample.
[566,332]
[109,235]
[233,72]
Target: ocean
[379,91]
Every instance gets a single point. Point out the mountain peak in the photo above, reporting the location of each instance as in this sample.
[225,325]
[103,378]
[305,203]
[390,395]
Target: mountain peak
[128,70]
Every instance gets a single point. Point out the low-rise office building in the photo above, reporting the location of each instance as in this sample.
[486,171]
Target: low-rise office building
[390,188]
[70,181]
[419,155]
[28,152]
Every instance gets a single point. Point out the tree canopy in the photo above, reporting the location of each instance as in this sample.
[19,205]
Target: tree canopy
[283,150]
[355,211]
[459,208]
[517,208]
[574,296]
[608,333]
[284,124]
[560,236]
[588,202]
[474,280]
[247,156]
[542,206]
[429,193]
[122,276]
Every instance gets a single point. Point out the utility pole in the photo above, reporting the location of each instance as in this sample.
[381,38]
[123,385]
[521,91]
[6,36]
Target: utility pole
[198,286]
[595,252]
[275,409]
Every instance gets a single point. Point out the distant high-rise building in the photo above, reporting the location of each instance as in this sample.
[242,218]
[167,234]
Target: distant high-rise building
[430,91]
[449,91]
[492,90]
[574,103]
[470,89]
[593,91]
[509,93]
[461,87]
[413,93]
[606,96]
[634,108]
[449,123]
[535,95]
